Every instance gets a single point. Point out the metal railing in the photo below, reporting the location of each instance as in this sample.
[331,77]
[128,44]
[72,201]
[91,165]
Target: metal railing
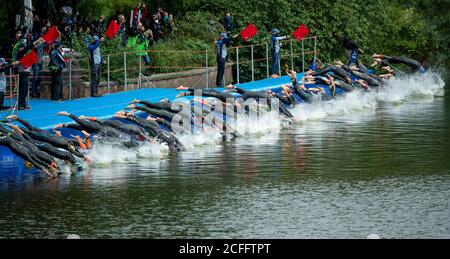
[127,69]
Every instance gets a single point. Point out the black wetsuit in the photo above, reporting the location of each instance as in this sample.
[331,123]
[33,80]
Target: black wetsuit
[371,80]
[93,127]
[160,135]
[262,95]
[169,116]
[184,110]
[129,129]
[304,95]
[336,70]
[289,101]
[168,106]
[343,85]
[320,81]
[413,64]
[45,136]
[42,155]
[23,152]
[212,93]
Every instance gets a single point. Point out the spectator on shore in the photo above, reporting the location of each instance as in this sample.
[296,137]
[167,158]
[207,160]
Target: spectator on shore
[139,14]
[87,34]
[95,60]
[15,45]
[37,67]
[67,33]
[36,24]
[212,24]
[101,25]
[156,27]
[170,24]
[67,12]
[123,29]
[227,23]
[56,67]
[3,68]
[145,39]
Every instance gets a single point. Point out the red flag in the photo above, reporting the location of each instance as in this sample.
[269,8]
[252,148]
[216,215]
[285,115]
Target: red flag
[249,32]
[112,30]
[29,59]
[51,35]
[301,32]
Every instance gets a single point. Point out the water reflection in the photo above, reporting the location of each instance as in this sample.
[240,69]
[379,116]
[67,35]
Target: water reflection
[383,170]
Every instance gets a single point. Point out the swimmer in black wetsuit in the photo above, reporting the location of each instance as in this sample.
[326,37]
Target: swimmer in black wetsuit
[258,96]
[24,153]
[306,94]
[371,80]
[62,154]
[336,70]
[45,136]
[153,130]
[222,96]
[388,60]
[167,115]
[89,126]
[17,135]
[130,129]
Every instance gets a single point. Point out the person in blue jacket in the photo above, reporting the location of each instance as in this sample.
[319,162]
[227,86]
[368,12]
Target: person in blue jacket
[276,47]
[353,51]
[222,44]
[95,61]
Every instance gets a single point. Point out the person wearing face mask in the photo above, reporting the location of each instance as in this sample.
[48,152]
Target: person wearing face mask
[56,67]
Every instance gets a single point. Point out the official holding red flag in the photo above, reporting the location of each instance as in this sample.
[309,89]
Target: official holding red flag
[222,44]
[25,59]
[276,47]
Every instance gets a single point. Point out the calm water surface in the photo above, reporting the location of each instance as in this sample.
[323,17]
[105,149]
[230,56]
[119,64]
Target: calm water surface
[384,171]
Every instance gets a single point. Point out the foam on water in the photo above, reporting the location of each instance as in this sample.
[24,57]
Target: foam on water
[104,154]
[395,92]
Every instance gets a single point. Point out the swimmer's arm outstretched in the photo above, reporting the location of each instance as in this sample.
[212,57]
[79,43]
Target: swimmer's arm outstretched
[17,129]
[23,122]
[69,126]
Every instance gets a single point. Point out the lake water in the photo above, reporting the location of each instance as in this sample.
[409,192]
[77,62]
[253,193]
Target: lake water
[370,163]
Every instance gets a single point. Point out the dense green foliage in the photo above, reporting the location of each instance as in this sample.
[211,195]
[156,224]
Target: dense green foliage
[414,28]
[418,29]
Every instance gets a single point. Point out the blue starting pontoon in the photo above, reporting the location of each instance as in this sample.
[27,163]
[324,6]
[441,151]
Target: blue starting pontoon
[43,112]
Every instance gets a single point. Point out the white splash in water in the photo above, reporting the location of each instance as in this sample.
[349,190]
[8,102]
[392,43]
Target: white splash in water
[396,92]
[104,154]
